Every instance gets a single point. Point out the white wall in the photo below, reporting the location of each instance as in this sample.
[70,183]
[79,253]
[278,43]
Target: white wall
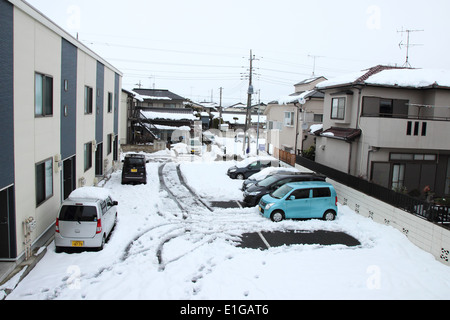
[36,49]
[426,235]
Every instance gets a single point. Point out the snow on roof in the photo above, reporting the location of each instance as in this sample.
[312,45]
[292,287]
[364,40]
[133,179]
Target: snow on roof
[415,78]
[93,193]
[391,76]
[294,98]
[152,115]
[229,117]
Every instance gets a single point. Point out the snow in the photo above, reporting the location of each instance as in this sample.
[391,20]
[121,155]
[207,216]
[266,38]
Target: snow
[410,78]
[156,252]
[90,193]
[168,115]
[291,99]
[416,78]
[316,127]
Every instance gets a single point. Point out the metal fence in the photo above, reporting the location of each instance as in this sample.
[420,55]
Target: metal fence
[432,212]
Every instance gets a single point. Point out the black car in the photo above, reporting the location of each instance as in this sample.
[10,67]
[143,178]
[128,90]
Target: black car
[134,170]
[246,168]
[253,195]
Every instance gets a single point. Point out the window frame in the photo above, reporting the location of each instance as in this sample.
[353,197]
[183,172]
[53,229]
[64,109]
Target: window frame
[45,98]
[339,109]
[88,100]
[47,184]
[88,156]
[289,118]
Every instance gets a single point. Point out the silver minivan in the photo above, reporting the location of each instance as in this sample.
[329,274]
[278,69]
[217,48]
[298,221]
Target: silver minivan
[85,219]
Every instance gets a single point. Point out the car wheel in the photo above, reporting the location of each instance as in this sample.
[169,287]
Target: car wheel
[240,176]
[103,243]
[277,216]
[330,215]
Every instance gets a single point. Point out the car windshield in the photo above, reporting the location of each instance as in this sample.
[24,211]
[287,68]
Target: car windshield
[134,161]
[281,192]
[268,181]
[78,213]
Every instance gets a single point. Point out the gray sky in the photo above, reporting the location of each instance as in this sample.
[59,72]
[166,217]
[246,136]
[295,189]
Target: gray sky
[194,47]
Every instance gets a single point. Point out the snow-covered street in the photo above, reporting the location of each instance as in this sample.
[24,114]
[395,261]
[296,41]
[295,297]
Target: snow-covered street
[171,242]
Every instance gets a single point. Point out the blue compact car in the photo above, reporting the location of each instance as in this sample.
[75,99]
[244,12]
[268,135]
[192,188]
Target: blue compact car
[300,200]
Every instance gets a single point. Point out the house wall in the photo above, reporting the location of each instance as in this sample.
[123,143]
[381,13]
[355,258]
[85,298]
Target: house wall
[36,139]
[33,44]
[385,134]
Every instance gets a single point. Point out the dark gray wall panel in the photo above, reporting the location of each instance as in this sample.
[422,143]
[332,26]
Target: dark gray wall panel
[6,95]
[68,99]
[99,105]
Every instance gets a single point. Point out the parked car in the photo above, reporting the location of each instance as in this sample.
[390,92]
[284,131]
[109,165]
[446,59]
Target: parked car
[85,219]
[300,200]
[134,170]
[253,195]
[265,173]
[195,146]
[250,166]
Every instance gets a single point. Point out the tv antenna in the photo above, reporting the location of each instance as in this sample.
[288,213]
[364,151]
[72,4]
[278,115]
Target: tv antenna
[314,63]
[408,45]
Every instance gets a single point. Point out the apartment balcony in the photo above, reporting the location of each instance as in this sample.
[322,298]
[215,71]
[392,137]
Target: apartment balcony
[406,133]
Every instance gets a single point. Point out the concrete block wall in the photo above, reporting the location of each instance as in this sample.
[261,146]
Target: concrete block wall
[428,236]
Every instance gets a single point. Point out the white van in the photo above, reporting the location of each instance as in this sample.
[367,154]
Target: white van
[85,219]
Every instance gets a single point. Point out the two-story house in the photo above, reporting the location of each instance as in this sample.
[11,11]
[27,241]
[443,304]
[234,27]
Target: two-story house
[59,106]
[389,125]
[290,118]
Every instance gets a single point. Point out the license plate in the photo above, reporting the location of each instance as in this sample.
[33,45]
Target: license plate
[77,243]
[134,170]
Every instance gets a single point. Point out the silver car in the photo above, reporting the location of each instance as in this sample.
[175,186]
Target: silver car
[85,219]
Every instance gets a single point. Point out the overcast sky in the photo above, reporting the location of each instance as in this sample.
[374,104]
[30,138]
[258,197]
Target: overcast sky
[194,47]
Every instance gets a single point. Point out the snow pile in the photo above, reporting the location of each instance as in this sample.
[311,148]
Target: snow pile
[90,193]
[294,98]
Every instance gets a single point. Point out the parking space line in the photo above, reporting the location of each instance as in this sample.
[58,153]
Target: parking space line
[264,240]
[239,204]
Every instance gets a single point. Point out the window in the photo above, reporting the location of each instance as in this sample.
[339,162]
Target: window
[110,144]
[110,102]
[412,157]
[321,193]
[318,118]
[338,108]
[398,176]
[300,194]
[87,156]
[380,107]
[88,100]
[44,181]
[43,95]
[424,129]
[289,119]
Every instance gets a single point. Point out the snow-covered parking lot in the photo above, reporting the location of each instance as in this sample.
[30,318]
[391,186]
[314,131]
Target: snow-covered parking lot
[164,249]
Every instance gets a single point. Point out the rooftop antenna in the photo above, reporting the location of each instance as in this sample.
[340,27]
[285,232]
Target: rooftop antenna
[408,45]
[139,84]
[314,64]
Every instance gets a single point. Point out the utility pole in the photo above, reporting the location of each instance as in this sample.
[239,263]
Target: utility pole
[220,105]
[408,45]
[249,101]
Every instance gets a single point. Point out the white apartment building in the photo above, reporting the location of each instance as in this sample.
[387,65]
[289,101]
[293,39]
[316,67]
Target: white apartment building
[59,114]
